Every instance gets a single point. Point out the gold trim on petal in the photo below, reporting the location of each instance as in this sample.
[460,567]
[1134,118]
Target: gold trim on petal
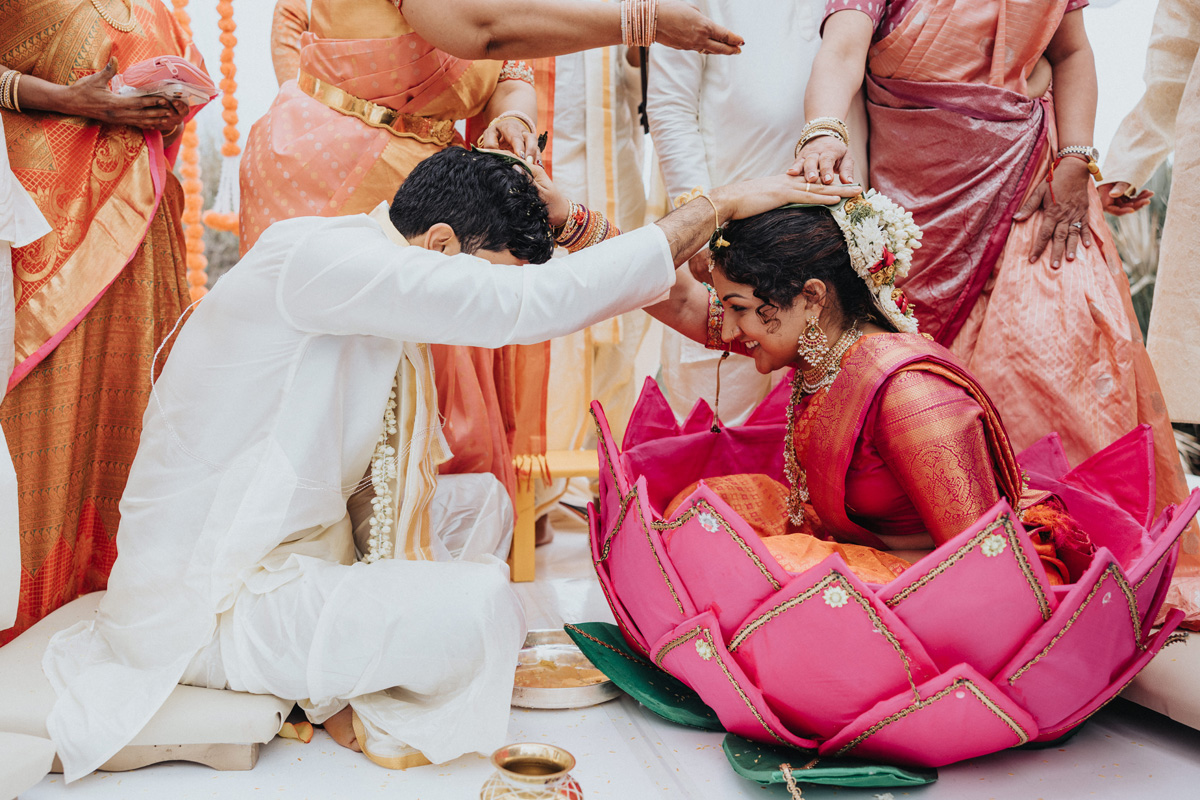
[1018,553]
[919,704]
[738,540]
[755,624]
[1130,600]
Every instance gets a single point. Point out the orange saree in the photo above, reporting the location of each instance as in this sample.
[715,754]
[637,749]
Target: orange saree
[94,298]
[320,152]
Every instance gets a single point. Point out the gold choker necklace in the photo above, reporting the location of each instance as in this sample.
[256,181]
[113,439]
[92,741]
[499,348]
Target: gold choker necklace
[826,370]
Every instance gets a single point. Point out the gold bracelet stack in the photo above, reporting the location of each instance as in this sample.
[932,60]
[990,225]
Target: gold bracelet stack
[639,22]
[8,90]
[823,126]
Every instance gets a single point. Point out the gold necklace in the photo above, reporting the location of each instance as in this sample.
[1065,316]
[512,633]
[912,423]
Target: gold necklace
[123,27]
[831,366]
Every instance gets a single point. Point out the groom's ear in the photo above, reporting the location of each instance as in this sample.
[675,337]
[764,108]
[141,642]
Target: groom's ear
[442,238]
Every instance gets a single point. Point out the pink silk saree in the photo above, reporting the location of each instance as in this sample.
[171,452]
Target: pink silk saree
[955,140]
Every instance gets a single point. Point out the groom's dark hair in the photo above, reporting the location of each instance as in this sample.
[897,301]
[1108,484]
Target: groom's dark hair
[490,203]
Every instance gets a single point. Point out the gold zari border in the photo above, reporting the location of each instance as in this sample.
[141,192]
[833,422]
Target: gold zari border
[738,540]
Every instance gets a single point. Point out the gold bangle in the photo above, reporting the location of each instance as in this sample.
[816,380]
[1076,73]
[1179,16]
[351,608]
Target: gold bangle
[5,88]
[15,99]
[518,116]
[718,237]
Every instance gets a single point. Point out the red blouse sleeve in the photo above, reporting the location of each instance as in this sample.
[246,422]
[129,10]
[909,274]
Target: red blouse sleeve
[930,435]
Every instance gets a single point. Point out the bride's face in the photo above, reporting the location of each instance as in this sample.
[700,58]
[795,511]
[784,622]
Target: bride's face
[771,333]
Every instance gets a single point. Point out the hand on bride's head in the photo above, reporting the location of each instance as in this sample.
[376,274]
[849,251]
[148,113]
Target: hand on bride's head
[758,196]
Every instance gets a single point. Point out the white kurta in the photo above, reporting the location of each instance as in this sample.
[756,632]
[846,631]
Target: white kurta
[717,120]
[20,223]
[263,422]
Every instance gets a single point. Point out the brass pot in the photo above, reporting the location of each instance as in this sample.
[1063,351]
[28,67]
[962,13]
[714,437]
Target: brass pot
[531,771]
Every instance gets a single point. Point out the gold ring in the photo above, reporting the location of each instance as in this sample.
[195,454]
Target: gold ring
[806,185]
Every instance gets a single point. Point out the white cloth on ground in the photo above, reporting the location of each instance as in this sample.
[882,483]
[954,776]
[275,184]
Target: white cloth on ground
[298,345]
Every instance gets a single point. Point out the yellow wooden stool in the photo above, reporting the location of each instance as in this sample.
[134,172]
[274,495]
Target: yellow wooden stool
[560,464]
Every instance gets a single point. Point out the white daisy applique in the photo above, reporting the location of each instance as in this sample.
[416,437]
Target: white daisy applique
[993,545]
[705,650]
[709,521]
[836,596]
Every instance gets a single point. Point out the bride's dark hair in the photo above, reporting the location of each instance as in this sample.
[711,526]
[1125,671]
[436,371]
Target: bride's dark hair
[776,253]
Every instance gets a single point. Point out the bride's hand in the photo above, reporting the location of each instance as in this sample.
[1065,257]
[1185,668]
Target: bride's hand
[749,198]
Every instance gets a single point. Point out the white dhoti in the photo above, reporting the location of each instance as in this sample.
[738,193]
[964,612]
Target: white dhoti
[423,650]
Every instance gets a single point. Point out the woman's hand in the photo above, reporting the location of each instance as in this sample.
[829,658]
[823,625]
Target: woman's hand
[682,27]
[1065,219]
[1116,200]
[749,198]
[90,97]
[823,159]
[509,133]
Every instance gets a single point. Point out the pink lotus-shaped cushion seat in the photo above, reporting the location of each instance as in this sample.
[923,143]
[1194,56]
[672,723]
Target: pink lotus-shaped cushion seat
[967,652]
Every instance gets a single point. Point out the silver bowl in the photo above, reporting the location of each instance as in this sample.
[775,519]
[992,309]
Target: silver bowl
[556,647]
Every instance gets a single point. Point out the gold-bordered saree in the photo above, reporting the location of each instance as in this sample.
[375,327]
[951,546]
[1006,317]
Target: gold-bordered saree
[94,298]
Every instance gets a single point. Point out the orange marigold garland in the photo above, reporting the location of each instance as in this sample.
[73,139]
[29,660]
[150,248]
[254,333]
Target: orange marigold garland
[193,229]
[223,215]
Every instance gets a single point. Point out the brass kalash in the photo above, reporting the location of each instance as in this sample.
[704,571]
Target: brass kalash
[532,771]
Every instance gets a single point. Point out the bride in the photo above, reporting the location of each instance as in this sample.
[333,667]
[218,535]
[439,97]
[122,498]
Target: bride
[892,444]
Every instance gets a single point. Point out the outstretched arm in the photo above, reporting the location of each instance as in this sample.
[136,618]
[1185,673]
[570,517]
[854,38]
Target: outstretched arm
[837,75]
[337,280]
[502,29]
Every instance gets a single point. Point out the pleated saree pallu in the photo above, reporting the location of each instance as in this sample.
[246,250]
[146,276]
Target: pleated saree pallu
[94,298]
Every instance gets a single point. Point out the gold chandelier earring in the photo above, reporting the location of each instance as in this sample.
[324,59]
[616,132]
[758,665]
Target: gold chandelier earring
[814,344]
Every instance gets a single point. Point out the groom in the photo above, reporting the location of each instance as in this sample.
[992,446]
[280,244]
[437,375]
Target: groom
[283,530]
